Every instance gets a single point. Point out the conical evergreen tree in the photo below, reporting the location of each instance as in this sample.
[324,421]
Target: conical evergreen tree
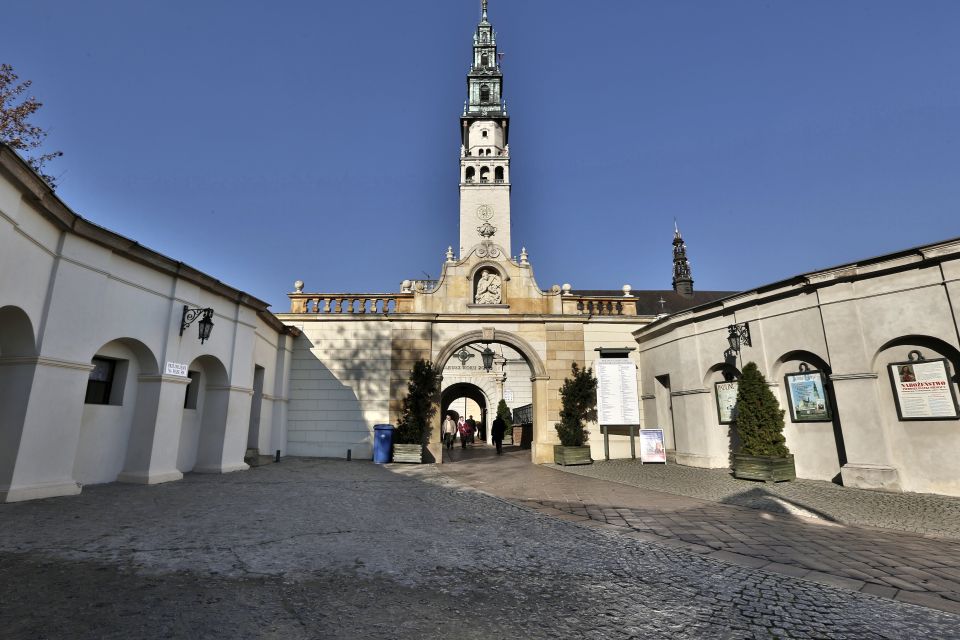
[759,420]
[418,407]
[578,402]
[504,413]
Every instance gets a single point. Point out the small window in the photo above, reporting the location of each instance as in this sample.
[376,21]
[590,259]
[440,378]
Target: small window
[498,174]
[193,390]
[471,172]
[100,383]
[484,60]
[484,93]
[483,133]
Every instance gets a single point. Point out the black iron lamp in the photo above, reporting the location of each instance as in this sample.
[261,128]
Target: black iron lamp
[206,321]
[487,356]
[739,335]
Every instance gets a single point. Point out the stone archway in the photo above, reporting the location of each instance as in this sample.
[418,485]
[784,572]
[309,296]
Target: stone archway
[466,390]
[543,437]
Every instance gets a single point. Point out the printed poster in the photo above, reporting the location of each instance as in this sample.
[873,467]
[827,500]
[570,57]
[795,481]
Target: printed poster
[651,446]
[726,393]
[923,390]
[807,397]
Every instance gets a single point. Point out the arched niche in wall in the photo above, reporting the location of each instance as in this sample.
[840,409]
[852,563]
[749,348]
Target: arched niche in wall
[116,402]
[488,284]
[204,425]
[815,439]
[719,380]
[924,450]
[17,368]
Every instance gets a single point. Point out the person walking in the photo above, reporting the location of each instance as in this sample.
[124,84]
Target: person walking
[497,430]
[466,431]
[449,431]
[473,427]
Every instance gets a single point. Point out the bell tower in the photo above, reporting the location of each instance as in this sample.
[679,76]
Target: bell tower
[485,153]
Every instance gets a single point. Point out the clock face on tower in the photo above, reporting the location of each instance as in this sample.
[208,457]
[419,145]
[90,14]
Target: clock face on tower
[484,212]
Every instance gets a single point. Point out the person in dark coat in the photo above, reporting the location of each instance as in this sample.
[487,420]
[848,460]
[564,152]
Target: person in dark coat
[497,430]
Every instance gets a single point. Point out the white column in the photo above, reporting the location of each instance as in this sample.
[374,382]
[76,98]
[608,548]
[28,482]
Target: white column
[51,432]
[155,438]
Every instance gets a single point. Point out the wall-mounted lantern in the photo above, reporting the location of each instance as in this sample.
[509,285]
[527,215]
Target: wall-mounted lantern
[206,321]
[739,335]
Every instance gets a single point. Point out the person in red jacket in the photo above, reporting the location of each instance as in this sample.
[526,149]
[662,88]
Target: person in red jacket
[466,433]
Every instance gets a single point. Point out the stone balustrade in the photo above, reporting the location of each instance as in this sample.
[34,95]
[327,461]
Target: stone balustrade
[599,306]
[384,304]
[351,303]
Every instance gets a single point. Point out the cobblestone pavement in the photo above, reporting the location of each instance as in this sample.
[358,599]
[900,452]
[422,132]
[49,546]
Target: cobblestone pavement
[897,565]
[331,549]
[915,512]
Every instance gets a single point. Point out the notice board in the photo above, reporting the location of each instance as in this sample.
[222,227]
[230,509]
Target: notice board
[617,401]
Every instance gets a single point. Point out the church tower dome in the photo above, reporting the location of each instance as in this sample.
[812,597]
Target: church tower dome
[485,152]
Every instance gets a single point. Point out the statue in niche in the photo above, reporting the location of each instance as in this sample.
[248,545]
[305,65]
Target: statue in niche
[488,288]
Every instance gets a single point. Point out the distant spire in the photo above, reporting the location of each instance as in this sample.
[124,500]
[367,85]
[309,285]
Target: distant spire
[484,16]
[682,278]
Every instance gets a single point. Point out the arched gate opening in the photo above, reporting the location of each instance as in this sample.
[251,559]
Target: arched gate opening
[518,362]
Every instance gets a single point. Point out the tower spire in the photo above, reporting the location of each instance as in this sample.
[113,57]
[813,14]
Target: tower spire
[682,278]
[485,152]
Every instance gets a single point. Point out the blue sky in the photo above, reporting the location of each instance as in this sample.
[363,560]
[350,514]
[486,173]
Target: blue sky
[268,141]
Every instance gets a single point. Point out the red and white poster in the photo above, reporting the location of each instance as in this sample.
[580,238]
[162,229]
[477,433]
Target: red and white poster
[923,390]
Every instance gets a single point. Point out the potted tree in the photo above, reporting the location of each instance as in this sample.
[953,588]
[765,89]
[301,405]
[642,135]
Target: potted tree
[504,413]
[578,405]
[762,453]
[416,413]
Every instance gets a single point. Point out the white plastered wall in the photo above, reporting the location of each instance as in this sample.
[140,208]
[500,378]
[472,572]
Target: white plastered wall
[81,294]
[339,388]
[597,335]
[856,327]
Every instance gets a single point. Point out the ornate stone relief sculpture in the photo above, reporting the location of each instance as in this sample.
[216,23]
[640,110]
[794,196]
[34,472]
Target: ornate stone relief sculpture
[487,230]
[488,250]
[488,288]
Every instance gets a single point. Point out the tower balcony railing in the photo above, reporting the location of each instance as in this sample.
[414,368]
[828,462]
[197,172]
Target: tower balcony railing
[351,303]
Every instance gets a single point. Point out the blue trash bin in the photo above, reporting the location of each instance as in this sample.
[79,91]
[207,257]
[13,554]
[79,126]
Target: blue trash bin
[382,443]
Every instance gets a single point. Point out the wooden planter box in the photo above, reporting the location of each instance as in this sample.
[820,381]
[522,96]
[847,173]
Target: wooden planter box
[408,453]
[571,455]
[763,468]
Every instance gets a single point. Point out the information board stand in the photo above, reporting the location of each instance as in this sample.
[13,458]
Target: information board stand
[605,428]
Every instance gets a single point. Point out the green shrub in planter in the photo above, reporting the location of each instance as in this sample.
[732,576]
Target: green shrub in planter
[762,453]
[759,420]
[578,406]
[419,406]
